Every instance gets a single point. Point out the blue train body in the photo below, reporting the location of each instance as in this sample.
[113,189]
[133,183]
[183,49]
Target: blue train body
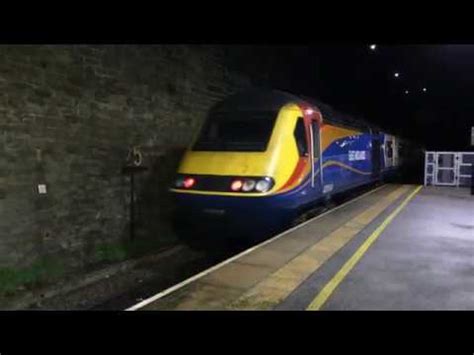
[340,159]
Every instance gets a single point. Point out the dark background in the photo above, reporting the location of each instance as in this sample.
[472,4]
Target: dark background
[71,114]
[355,80]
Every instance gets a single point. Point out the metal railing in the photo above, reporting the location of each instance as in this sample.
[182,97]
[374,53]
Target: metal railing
[448,168]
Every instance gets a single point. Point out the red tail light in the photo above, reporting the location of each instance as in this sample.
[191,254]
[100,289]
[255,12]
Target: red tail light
[189,182]
[236,185]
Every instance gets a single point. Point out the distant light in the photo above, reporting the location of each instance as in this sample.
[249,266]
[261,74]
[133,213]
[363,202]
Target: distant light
[424,89]
[373,47]
[406,92]
[396,75]
[309,111]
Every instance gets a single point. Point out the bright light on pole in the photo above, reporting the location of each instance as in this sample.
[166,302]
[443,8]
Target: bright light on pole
[373,47]
[424,89]
[396,75]
[406,92]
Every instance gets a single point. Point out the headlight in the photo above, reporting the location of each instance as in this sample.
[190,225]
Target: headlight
[179,182]
[236,185]
[185,182]
[263,185]
[249,185]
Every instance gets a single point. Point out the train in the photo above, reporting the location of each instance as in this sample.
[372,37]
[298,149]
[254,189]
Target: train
[264,157]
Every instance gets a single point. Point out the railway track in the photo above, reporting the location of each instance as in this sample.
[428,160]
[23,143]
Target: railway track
[191,262]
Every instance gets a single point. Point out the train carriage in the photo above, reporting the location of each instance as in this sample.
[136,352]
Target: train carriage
[264,157]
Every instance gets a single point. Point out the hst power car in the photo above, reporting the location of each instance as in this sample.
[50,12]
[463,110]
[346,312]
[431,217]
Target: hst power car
[264,157]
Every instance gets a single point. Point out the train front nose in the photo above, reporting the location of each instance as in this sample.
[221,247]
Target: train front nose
[230,216]
[226,178]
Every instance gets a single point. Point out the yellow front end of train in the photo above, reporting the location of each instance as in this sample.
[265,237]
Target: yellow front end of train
[276,159]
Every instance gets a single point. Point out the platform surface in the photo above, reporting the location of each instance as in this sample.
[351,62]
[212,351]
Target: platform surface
[396,247]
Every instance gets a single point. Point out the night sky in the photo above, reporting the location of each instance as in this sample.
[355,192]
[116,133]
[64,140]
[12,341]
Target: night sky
[356,80]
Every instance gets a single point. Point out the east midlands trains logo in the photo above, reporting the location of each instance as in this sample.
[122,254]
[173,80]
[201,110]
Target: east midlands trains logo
[357,155]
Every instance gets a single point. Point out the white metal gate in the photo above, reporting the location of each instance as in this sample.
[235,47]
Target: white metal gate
[448,168]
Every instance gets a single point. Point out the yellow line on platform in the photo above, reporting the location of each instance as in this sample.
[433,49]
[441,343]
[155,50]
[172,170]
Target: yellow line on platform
[277,286]
[222,264]
[327,291]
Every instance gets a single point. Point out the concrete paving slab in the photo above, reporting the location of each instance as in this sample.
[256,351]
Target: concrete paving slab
[276,258]
[424,260]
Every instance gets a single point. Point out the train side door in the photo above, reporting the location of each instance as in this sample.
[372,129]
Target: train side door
[388,151]
[313,127]
[395,148]
[315,135]
[376,156]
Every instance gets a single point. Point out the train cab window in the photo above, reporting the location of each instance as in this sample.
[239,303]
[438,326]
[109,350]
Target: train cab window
[300,137]
[241,131]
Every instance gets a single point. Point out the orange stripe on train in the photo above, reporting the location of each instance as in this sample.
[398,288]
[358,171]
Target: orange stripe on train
[301,170]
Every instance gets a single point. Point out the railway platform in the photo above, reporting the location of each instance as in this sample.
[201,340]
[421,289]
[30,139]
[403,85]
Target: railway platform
[397,247]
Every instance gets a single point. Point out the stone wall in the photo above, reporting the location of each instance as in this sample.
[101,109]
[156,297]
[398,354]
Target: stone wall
[68,117]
